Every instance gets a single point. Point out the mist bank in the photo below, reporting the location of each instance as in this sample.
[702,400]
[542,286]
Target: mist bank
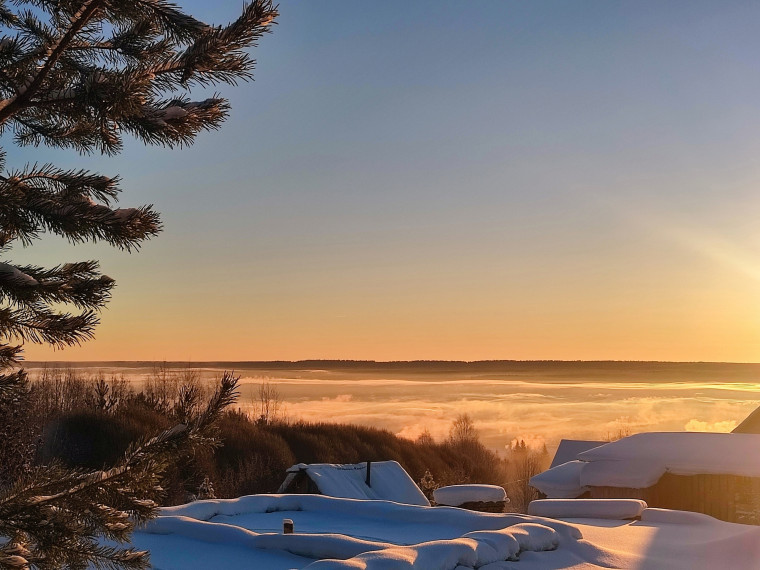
[539,402]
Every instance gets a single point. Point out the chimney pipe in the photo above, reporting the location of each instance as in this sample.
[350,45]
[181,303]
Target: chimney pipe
[369,477]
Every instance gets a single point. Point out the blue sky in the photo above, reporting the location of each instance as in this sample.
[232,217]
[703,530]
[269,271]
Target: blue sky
[454,180]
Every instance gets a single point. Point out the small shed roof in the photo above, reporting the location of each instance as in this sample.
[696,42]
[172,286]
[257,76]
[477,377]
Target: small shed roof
[388,481]
[751,423]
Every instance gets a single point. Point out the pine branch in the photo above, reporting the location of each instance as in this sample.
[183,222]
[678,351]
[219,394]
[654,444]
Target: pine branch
[11,385]
[62,202]
[9,356]
[216,54]
[41,324]
[168,17]
[79,284]
[58,513]
[9,107]
[79,74]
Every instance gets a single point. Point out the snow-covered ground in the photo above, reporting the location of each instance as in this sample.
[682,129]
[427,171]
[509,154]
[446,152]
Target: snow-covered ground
[333,533]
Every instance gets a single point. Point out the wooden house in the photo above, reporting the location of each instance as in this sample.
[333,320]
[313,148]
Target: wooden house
[713,473]
[377,480]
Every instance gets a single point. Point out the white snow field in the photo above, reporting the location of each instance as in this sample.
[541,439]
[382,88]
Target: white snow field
[336,533]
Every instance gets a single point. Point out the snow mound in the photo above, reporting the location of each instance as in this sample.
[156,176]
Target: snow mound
[495,545]
[473,550]
[335,533]
[535,537]
[387,512]
[455,495]
[618,509]
[652,515]
[318,545]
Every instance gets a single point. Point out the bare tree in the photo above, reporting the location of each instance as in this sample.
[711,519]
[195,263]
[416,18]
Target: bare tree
[269,402]
[463,429]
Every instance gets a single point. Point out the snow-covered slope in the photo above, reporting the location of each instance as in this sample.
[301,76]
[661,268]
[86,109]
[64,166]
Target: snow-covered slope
[333,533]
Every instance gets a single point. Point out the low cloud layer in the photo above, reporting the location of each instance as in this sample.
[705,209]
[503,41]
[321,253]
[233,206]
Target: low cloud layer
[508,411]
[541,409]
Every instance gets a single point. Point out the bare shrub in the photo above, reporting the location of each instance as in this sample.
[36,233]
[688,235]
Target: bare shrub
[269,402]
[18,434]
[425,438]
[58,390]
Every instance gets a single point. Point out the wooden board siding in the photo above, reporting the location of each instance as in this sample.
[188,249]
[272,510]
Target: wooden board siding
[725,497]
[302,485]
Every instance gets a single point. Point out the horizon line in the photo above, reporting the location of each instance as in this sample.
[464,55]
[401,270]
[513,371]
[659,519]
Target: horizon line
[380,362]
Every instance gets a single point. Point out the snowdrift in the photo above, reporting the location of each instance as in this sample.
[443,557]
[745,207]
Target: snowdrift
[336,533]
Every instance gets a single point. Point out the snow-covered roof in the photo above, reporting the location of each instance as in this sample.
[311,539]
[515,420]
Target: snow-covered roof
[640,460]
[570,448]
[561,482]
[388,481]
[455,495]
[685,453]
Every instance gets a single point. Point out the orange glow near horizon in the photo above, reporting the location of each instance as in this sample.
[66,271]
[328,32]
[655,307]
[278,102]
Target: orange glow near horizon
[575,321]
[544,188]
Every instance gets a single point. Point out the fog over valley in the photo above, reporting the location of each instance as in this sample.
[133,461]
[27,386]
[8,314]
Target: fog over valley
[538,402]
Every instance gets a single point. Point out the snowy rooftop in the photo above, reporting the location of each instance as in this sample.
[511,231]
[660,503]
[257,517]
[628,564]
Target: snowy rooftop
[640,460]
[455,495]
[686,453]
[388,481]
[570,448]
[333,533]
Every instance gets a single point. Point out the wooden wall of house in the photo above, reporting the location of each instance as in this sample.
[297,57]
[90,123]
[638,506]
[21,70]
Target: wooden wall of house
[302,485]
[726,497]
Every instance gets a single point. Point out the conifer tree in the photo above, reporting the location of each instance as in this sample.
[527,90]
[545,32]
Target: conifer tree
[81,74]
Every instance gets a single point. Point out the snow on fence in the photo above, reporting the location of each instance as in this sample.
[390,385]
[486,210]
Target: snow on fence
[617,509]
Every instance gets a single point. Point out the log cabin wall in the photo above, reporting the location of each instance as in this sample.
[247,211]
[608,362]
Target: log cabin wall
[725,497]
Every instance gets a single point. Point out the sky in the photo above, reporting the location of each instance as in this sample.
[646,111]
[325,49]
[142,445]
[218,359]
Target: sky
[453,180]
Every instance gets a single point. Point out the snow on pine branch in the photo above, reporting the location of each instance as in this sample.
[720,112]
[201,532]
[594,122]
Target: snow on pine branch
[16,276]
